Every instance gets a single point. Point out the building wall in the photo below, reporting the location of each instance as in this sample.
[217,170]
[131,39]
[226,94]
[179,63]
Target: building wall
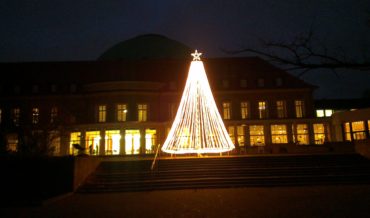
[78,111]
[77,95]
[340,119]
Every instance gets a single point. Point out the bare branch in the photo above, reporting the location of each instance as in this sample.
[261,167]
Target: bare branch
[305,54]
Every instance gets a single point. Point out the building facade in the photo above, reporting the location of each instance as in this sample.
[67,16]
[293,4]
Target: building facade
[127,107]
[124,103]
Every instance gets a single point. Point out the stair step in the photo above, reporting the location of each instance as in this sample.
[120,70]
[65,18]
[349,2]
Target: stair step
[135,175]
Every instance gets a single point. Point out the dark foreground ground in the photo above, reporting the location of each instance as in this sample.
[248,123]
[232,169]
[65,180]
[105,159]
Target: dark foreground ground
[312,201]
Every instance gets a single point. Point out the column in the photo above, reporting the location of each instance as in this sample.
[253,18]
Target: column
[311,133]
[142,141]
[290,132]
[122,150]
[102,143]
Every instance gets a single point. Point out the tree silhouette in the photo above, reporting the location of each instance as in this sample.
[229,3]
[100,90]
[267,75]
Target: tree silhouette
[305,53]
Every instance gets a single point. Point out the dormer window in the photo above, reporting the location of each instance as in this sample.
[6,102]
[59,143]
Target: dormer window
[261,82]
[35,89]
[53,88]
[17,89]
[279,82]
[73,88]
[243,83]
[225,83]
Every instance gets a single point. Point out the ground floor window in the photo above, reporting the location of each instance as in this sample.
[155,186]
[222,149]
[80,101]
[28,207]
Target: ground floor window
[231,130]
[112,142]
[358,130]
[302,135]
[241,135]
[12,142]
[132,141]
[347,132]
[279,134]
[75,139]
[257,137]
[319,133]
[150,141]
[54,142]
[92,142]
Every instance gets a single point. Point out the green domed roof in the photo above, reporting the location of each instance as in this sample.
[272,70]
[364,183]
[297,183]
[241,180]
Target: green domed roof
[148,46]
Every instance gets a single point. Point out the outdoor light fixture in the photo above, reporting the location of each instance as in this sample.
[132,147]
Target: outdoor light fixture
[198,127]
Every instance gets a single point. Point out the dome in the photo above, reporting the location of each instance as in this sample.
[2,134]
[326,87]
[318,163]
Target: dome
[149,46]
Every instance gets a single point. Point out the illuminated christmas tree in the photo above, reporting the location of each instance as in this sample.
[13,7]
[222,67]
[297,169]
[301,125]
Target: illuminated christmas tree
[198,127]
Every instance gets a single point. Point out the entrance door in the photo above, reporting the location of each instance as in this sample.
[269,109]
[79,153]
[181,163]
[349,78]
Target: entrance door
[132,141]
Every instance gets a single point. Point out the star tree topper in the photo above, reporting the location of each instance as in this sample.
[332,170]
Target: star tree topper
[196,55]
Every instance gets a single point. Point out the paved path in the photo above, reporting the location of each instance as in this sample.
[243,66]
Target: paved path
[313,201]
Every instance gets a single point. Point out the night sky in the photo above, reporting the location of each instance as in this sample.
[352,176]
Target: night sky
[44,30]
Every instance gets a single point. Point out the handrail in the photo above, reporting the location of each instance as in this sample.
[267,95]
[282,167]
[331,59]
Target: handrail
[155,157]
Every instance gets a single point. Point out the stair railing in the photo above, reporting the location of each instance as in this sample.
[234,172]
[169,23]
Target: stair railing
[155,157]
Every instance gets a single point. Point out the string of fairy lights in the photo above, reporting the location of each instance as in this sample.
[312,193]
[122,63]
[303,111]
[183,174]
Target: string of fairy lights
[198,126]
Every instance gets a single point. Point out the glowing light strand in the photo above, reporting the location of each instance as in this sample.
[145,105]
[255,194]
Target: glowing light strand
[198,127]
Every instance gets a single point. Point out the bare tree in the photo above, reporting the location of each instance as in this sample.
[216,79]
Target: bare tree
[305,53]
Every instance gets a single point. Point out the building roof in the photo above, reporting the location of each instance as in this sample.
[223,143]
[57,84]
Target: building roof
[147,58]
[153,70]
[149,46]
[342,104]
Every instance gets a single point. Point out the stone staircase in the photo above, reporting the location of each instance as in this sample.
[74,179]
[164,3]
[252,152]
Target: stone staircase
[225,172]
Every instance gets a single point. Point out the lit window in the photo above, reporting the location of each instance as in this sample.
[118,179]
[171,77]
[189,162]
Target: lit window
[328,112]
[112,142]
[320,113]
[16,116]
[278,82]
[225,83]
[302,136]
[279,134]
[231,130]
[299,108]
[35,115]
[102,113]
[75,138]
[240,135]
[262,109]
[53,114]
[150,141]
[319,133]
[347,132]
[244,109]
[54,140]
[92,142]
[132,141]
[281,109]
[257,137]
[121,112]
[142,112]
[12,142]
[358,130]
[261,82]
[243,83]
[172,110]
[226,108]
